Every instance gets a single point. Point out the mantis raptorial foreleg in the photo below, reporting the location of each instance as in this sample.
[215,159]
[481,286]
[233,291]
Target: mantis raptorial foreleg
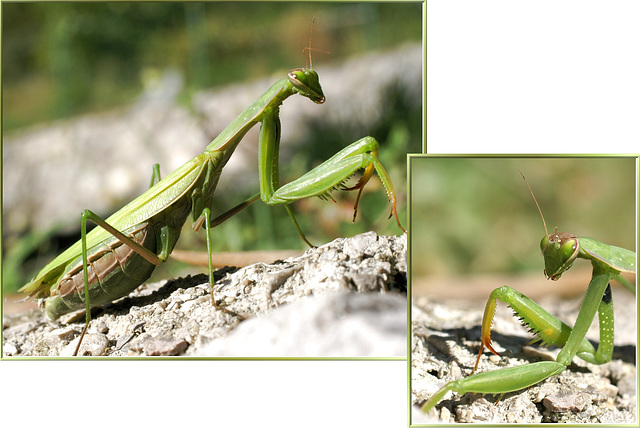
[363,154]
[560,251]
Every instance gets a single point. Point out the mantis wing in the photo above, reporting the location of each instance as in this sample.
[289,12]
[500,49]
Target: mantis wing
[145,206]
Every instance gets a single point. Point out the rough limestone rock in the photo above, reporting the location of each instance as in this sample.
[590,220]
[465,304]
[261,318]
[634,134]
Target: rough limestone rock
[445,342]
[340,324]
[346,298]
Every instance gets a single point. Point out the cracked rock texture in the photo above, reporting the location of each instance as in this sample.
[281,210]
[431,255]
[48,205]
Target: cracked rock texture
[445,342]
[346,298]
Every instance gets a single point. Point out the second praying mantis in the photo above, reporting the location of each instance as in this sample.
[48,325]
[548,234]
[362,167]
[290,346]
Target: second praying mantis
[559,251]
[121,253]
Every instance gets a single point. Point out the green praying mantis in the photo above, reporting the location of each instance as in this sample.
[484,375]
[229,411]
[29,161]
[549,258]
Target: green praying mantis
[115,258]
[559,251]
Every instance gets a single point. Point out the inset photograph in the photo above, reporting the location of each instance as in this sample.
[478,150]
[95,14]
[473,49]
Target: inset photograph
[522,283]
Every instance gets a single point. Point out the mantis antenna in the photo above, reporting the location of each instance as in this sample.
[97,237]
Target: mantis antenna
[536,201]
[309,62]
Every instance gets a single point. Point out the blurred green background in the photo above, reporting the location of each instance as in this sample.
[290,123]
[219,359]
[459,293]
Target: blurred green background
[475,216]
[61,60]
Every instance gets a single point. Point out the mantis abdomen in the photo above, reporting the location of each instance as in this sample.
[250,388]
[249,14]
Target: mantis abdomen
[114,269]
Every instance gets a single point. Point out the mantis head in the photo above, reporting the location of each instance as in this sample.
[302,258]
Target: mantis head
[306,82]
[559,251]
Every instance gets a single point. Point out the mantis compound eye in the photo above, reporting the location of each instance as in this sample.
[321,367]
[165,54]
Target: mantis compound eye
[307,83]
[567,250]
[298,77]
[544,243]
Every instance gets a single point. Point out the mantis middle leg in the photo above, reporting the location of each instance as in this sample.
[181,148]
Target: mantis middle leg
[244,204]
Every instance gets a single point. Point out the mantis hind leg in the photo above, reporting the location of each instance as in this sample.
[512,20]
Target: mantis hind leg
[144,252]
[498,381]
